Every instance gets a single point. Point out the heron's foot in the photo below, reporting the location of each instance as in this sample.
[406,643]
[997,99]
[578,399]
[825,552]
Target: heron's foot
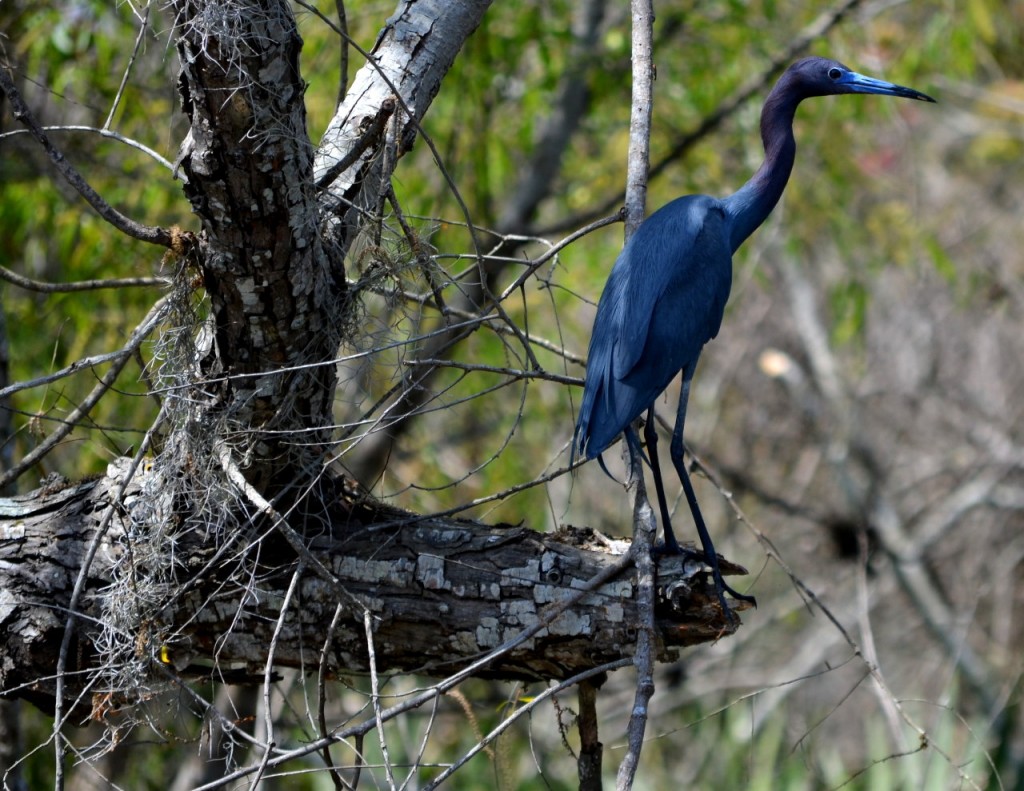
[672,547]
[721,586]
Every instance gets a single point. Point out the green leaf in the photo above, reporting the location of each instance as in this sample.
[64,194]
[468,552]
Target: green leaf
[941,260]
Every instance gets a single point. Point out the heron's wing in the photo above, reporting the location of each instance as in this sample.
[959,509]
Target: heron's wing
[679,277]
[663,301]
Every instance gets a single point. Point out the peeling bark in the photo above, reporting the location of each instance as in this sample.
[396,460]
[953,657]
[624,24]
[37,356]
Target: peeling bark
[441,592]
[273,238]
[410,58]
[249,175]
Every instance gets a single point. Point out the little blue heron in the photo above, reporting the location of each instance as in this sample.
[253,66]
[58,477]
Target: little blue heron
[667,292]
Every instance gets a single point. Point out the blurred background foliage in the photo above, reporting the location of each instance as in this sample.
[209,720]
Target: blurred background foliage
[902,223]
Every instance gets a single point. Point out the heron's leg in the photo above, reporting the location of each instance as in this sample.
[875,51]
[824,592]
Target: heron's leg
[651,438]
[710,556]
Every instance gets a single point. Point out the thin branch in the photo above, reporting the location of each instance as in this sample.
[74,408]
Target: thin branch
[534,702]
[280,523]
[339,6]
[370,135]
[119,359]
[128,69]
[321,689]
[145,233]
[69,370]
[867,638]
[268,674]
[515,373]
[644,530]
[108,133]
[341,29]
[43,287]
[538,262]
[375,697]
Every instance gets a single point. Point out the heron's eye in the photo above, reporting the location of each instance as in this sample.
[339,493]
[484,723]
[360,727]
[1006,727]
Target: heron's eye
[834,73]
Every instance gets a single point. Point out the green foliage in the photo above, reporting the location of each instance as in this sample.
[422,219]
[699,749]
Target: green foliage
[73,57]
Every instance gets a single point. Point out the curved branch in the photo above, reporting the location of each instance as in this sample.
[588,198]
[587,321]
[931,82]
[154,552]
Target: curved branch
[110,134]
[42,286]
[144,233]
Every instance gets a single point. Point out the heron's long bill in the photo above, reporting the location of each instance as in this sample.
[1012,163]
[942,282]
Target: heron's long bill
[858,83]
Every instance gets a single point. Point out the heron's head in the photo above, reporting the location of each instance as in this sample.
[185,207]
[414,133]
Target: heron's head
[825,77]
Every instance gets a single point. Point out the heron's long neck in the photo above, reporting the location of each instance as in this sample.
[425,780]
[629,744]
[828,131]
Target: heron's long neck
[754,201]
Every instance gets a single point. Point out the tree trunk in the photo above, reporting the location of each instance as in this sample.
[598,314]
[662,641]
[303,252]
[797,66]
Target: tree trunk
[266,375]
[275,230]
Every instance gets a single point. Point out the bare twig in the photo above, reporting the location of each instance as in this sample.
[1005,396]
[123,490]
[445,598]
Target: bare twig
[515,373]
[638,158]
[867,638]
[280,523]
[42,286]
[268,674]
[77,366]
[538,262]
[375,697]
[339,6]
[321,689]
[108,133]
[118,359]
[367,137]
[534,702]
[128,68]
[145,233]
[341,29]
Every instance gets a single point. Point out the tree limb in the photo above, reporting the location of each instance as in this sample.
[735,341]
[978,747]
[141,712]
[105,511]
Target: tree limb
[145,233]
[443,593]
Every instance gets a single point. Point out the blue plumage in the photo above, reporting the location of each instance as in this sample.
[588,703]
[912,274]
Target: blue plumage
[663,301]
[666,294]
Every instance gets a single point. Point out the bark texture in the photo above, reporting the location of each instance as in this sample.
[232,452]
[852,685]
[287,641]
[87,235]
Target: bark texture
[441,593]
[275,308]
[275,227]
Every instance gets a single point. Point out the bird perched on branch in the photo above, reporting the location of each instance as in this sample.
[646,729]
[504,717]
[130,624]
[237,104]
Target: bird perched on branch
[667,291]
